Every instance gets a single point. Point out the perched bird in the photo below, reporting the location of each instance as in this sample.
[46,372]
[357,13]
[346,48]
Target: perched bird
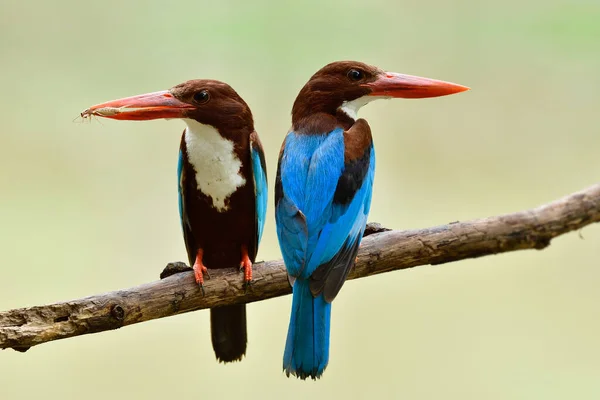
[222,186]
[323,194]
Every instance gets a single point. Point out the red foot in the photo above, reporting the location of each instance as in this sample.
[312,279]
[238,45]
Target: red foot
[200,269]
[246,265]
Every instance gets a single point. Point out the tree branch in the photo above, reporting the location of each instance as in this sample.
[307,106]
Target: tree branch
[382,251]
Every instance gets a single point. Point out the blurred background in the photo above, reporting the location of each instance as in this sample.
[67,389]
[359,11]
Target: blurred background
[92,207]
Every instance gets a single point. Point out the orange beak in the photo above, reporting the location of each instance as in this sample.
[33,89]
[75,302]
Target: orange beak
[391,84]
[142,107]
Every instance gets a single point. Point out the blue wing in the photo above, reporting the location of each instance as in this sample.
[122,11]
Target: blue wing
[185,226]
[321,207]
[180,185]
[259,173]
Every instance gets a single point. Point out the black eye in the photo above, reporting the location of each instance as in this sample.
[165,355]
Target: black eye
[201,96]
[355,74]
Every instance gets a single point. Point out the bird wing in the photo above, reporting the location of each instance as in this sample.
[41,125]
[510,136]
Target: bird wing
[322,201]
[190,243]
[259,174]
[346,217]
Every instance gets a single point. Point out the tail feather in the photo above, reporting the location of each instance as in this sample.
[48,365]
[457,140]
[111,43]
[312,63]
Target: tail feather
[307,345]
[228,331]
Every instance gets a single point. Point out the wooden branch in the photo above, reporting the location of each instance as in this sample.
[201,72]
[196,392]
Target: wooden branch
[382,251]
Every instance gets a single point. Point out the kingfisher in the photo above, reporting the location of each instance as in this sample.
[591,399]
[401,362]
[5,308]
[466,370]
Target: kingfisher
[323,194]
[222,184]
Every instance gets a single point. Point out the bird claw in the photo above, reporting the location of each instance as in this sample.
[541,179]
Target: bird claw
[199,271]
[246,265]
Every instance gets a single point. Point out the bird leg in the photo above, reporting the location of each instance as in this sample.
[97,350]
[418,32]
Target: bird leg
[200,270]
[246,265]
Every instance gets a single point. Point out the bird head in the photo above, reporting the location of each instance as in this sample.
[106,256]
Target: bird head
[208,102]
[346,86]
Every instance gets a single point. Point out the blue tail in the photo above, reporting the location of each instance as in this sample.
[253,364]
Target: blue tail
[307,346]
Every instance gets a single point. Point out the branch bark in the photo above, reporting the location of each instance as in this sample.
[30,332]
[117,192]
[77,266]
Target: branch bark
[382,251]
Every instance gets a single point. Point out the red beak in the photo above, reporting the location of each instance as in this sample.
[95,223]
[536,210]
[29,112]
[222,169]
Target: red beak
[391,84]
[142,107]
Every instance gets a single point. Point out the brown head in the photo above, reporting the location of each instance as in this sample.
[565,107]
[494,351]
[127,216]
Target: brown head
[209,102]
[342,87]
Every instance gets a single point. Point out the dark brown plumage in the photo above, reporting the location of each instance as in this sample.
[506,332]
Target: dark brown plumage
[219,155]
[325,92]
[222,235]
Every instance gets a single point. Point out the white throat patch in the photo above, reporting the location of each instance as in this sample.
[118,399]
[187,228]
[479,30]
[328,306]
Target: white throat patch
[350,108]
[214,160]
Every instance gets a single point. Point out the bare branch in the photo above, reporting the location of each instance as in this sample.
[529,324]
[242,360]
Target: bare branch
[382,251]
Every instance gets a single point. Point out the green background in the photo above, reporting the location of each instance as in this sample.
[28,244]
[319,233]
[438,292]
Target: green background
[92,207]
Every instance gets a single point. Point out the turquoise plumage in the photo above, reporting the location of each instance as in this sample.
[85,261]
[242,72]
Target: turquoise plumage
[319,236]
[323,194]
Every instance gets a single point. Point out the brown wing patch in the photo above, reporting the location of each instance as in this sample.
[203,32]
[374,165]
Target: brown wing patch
[356,140]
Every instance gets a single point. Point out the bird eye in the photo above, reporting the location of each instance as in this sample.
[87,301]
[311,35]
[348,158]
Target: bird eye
[355,74]
[201,96]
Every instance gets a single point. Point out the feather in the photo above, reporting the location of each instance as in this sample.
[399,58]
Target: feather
[259,173]
[321,212]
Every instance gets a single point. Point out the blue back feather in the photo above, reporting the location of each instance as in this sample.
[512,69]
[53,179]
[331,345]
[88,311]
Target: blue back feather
[310,169]
[314,230]
[346,221]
